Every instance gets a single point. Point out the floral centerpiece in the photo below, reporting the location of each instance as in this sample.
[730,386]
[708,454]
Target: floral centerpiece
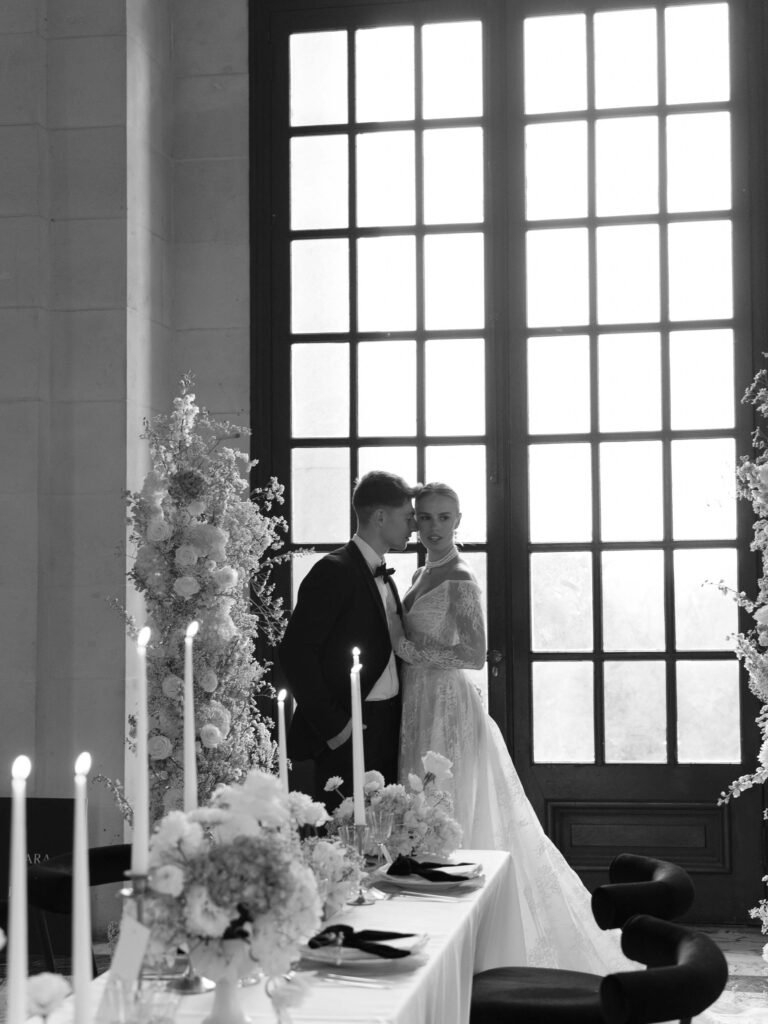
[228,882]
[752,646]
[422,811]
[204,549]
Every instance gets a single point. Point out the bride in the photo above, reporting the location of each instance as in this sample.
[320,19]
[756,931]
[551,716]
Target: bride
[442,711]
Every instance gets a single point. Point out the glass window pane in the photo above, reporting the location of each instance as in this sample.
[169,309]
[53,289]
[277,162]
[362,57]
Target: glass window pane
[558,385]
[455,386]
[386,194]
[454,282]
[703,489]
[705,618]
[629,408]
[300,565]
[697,61]
[319,182]
[555,42]
[320,495]
[320,286]
[384,74]
[318,78]
[699,161]
[700,270]
[701,379]
[633,600]
[453,175]
[626,165]
[560,475]
[563,701]
[385,368]
[558,277]
[631,490]
[463,468]
[391,458]
[708,726]
[635,712]
[561,601]
[556,170]
[319,411]
[625,58]
[386,283]
[453,69]
[628,274]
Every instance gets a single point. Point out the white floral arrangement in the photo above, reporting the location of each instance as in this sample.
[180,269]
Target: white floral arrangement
[205,546]
[752,646]
[337,870]
[423,812]
[45,993]
[233,870]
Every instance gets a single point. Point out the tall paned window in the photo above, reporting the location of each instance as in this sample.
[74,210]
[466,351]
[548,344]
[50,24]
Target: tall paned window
[511,245]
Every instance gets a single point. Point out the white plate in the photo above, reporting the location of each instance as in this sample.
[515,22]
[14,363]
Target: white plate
[380,876]
[338,956]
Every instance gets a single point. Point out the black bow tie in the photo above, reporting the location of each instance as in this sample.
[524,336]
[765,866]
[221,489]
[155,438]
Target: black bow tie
[382,570]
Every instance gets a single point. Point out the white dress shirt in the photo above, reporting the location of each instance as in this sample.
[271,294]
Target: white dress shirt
[388,684]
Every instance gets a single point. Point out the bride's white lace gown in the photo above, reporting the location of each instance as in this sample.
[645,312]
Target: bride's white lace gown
[442,711]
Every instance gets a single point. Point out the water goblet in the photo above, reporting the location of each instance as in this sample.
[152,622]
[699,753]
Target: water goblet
[356,837]
[380,829]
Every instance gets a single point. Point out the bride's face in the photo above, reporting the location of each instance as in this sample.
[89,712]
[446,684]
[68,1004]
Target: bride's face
[437,517]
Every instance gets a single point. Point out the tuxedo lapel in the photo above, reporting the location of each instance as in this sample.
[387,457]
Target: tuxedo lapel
[362,567]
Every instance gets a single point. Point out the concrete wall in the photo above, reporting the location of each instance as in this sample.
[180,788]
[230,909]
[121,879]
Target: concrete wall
[123,263]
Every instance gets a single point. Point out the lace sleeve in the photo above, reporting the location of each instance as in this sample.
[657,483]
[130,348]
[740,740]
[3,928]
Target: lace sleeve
[465,628]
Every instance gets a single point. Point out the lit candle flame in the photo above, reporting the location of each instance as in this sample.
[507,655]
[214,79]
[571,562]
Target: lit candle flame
[282,695]
[192,629]
[144,635]
[83,763]
[21,767]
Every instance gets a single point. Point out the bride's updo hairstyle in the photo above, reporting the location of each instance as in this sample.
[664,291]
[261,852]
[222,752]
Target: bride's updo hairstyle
[426,490]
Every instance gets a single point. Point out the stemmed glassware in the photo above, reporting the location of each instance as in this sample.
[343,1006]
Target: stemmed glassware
[380,829]
[357,838]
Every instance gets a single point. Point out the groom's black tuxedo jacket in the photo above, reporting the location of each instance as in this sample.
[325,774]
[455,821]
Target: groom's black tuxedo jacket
[338,608]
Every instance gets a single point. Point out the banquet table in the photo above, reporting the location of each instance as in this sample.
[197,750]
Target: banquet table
[473,932]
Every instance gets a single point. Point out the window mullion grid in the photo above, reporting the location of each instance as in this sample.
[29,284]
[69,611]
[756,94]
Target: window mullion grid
[354,435]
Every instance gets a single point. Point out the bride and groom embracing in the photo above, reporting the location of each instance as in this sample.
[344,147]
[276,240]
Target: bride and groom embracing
[417,697]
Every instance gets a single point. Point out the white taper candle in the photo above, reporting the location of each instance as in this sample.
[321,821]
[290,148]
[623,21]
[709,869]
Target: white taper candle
[82,970]
[358,757]
[190,755]
[140,846]
[17,911]
[282,753]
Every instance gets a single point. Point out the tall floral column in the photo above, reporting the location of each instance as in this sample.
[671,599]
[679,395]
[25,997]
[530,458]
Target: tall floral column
[205,546]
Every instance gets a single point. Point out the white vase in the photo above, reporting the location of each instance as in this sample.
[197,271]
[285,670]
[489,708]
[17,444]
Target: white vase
[224,961]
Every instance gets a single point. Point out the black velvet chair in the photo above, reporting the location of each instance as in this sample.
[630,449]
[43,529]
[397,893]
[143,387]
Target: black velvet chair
[642,885]
[49,887]
[686,972]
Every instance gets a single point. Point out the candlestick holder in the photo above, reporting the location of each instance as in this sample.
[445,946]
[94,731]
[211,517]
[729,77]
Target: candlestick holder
[356,837]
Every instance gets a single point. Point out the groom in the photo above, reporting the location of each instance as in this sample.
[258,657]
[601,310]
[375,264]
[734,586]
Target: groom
[345,601]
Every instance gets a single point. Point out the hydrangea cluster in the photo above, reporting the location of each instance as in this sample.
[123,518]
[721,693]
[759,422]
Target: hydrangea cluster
[205,546]
[234,870]
[423,812]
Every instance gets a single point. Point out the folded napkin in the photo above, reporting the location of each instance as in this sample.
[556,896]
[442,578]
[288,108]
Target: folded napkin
[367,940]
[434,872]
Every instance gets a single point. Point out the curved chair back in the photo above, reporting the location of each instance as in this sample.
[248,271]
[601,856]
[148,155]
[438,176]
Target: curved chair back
[686,972]
[639,884]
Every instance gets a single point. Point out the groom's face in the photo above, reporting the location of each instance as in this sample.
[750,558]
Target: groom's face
[397,526]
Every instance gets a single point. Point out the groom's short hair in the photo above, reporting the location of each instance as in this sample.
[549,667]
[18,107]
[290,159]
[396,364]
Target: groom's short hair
[379,490]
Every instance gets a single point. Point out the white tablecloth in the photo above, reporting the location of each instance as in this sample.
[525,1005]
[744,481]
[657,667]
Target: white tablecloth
[474,933]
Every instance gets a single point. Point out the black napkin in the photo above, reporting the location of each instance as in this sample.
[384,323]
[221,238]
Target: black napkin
[368,940]
[431,872]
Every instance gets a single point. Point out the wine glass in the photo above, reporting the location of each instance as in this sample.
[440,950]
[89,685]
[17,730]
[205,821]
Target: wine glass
[380,824]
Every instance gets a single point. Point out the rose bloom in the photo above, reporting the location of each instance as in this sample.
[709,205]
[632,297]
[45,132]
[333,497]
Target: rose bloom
[207,680]
[186,555]
[225,577]
[210,736]
[159,747]
[173,687]
[186,586]
[196,508]
[46,992]
[158,529]
[168,879]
